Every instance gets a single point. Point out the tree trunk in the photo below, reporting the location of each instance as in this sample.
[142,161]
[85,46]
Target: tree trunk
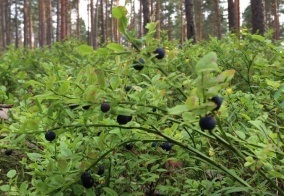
[63,20]
[258,19]
[112,23]
[102,23]
[16,25]
[41,23]
[8,21]
[3,24]
[237,17]
[106,20]
[78,20]
[140,20]
[190,20]
[31,36]
[218,19]
[26,23]
[181,21]
[92,31]
[58,27]
[276,21]
[158,18]
[146,14]
[49,23]
[232,16]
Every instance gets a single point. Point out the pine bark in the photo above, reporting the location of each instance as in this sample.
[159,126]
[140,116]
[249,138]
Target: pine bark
[16,25]
[190,26]
[102,22]
[26,24]
[146,14]
[218,19]
[78,19]
[3,24]
[49,27]
[42,23]
[258,17]
[58,26]
[276,20]
[63,20]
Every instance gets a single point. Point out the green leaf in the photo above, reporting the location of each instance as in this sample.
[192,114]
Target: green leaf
[122,24]
[226,76]
[240,135]
[101,78]
[85,49]
[178,109]
[188,117]
[34,156]
[119,11]
[258,37]
[207,63]
[23,188]
[12,173]
[191,102]
[115,47]
[64,88]
[5,188]
[110,192]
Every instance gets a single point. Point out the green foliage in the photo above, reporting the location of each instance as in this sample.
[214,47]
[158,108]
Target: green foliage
[142,126]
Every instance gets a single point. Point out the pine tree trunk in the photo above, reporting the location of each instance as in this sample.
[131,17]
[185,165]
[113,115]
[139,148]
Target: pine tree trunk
[106,19]
[258,17]
[181,21]
[140,20]
[276,21]
[58,26]
[16,25]
[26,23]
[92,32]
[191,34]
[218,19]
[158,17]
[96,26]
[63,20]
[102,23]
[112,23]
[8,21]
[78,20]
[49,26]
[237,17]
[146,14]
[232,16]
[3,24]
[41,23]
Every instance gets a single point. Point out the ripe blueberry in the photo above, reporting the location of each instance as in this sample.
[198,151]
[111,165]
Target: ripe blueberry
[87,180]
[218,101]
[101,170]
[105,107]
[50,136]
[129,146]
[86,107]
[207,123]
[160,53]
[73,106]
[8,152]
[137,65]
[122,120]
[154,144]
[128,88]
[166,146]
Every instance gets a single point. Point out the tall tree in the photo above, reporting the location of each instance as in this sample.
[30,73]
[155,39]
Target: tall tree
[146,14]
[62,19]
[232,16]
[58,15]
[26,24]
[258,17]
[190,26]
[276,20]
[218,19]
[49,27]
[102,22]
[77,19]
[3,23]
[8,21]
[42,23]
[16,25]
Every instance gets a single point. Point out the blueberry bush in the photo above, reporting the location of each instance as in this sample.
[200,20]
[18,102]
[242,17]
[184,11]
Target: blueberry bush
[150,118]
